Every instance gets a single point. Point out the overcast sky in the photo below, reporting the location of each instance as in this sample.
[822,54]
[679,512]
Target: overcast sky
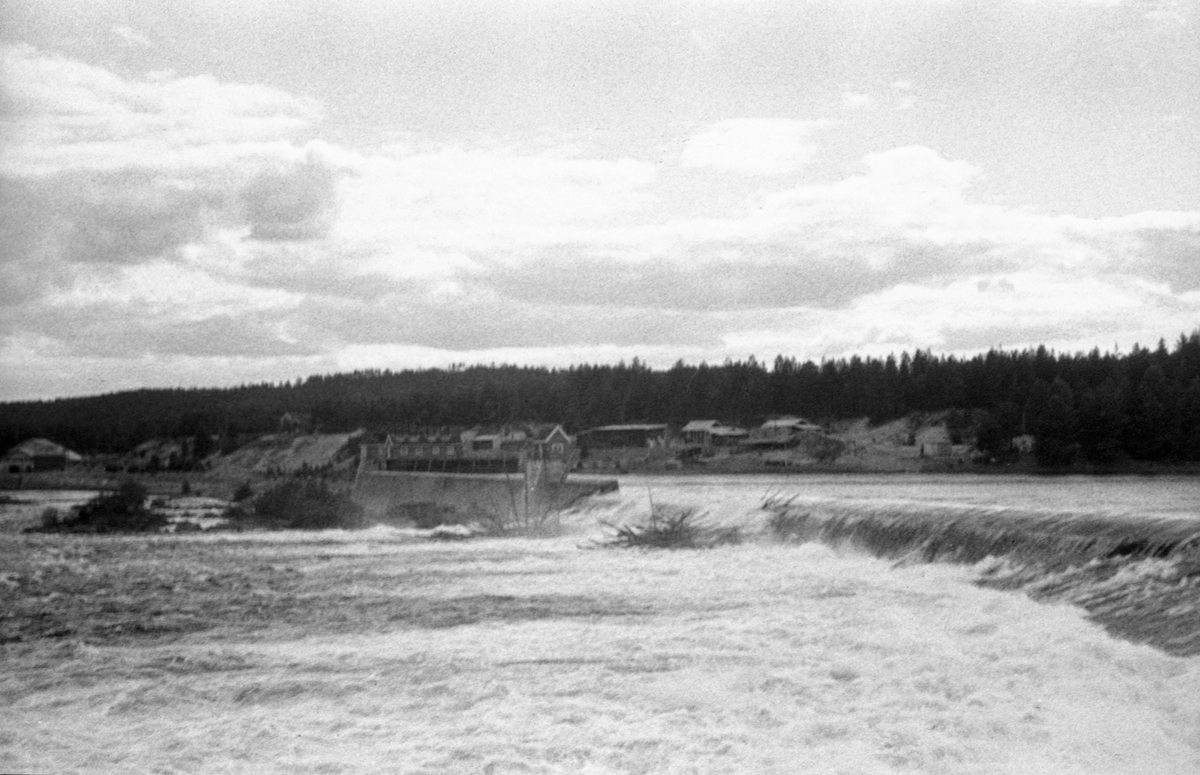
[202,194]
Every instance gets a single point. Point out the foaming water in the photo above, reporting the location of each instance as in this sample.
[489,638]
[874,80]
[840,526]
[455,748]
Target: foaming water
[371,651]
[1125,550]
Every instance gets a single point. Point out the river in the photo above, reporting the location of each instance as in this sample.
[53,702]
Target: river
[375,651]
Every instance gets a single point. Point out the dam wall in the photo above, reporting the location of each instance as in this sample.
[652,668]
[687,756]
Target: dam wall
[490,498]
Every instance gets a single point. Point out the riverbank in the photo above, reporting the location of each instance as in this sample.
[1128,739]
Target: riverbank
[216,486]
[156,484]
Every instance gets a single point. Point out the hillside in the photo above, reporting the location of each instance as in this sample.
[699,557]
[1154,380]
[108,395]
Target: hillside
[1097,409]
[288,454]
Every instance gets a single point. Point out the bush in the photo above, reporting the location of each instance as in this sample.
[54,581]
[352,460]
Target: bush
[829,450]
[788,526]
[307,504]
[243,492]
[671,529]
[50,517]
[123,511]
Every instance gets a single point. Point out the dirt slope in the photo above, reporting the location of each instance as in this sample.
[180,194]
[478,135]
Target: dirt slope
[288,453]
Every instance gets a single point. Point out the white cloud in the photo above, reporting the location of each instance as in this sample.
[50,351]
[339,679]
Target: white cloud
[168,291]
[126,203]
[974,313]
[69,115]
[454,202]
[753,146]
[856,100]
[919,167]
[179,222]
[132,37]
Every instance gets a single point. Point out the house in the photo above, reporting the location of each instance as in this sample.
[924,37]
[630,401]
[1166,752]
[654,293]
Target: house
[712,433]
[786,426]
[496,451]
[439,451]
[782,433]
[937,449]
[630,435]
[37,455]
[549,457]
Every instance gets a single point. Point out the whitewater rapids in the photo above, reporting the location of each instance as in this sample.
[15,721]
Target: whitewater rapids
[374,652]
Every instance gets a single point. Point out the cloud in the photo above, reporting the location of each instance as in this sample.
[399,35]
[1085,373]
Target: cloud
[299,202]
[166,223]
[481,320]
[779,273]
[975,313]
[435,212]
[131,37]
[752,146]
[105,171]
[69,115]
[1162,246]
[129,210]
[856,100]
[919,167]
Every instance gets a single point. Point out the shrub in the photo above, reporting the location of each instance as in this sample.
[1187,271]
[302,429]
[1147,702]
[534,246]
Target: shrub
[788,526]
[243,492]
[671,529]
[307,504]
[829,450]
[123,511]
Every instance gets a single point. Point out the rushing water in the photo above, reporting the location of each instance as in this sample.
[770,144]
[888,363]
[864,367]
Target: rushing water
[1126,550]
[802,651]
[1148,496]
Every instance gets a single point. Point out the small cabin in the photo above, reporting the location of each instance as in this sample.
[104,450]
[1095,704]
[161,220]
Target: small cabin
[712,433]
[36,455]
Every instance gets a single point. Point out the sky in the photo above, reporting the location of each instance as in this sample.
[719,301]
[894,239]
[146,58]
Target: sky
[234,191]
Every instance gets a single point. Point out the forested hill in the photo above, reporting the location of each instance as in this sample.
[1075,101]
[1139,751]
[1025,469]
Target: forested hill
[1144,404]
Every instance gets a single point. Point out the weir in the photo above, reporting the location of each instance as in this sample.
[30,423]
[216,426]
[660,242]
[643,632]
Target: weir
[495,499]
[1138,577]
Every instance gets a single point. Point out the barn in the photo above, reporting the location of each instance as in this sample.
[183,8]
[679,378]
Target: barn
[36,455]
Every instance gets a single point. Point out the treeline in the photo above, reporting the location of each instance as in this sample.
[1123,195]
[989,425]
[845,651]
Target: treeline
[1099,407]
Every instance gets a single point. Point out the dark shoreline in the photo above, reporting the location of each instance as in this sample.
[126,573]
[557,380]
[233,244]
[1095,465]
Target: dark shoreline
[156,484]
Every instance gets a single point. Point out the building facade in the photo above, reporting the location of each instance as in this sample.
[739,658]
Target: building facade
[509,450]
